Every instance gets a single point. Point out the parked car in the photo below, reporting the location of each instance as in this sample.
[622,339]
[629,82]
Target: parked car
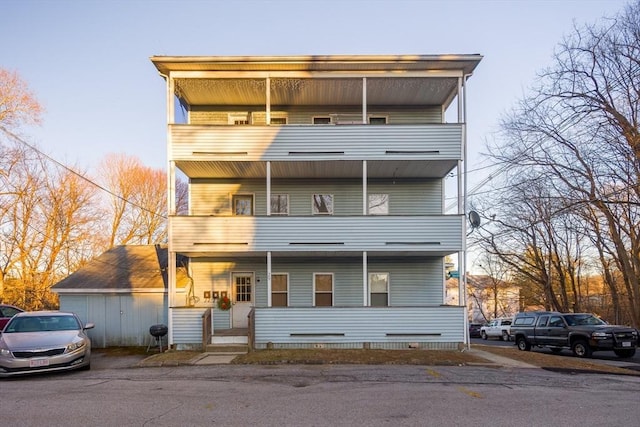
[497,328]
[44,341]
[583,333]
[6,313]
[474,329]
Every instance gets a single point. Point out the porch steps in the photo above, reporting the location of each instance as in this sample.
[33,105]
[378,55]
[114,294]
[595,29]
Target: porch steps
[227,349]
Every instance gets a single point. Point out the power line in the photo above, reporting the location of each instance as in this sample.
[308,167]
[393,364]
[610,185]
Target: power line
[78,174]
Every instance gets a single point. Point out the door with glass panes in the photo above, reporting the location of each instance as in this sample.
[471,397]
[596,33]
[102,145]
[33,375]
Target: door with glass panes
[242,297]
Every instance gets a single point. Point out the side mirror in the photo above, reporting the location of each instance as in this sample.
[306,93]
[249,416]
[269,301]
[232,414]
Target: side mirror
[89,326]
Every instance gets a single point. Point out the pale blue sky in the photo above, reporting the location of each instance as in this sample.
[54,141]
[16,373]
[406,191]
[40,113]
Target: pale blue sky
[88,61]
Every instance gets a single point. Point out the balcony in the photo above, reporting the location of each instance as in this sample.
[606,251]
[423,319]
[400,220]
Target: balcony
[418,235]
[412,151]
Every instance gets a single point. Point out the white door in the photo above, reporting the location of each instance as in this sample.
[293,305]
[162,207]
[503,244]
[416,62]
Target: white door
[242,298]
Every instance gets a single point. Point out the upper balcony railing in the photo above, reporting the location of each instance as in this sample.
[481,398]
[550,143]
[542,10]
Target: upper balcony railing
[437,142]
[435,235]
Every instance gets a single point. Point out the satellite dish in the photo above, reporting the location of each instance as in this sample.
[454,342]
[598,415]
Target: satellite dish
[474,219]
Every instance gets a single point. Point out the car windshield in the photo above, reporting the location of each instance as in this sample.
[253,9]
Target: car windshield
[583,319]
[42,324]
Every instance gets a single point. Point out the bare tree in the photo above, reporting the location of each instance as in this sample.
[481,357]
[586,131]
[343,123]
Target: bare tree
[137,202]
[577,138]
[18,107]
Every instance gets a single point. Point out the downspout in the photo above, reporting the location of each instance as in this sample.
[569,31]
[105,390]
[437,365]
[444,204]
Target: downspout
[171,210]
[463,273]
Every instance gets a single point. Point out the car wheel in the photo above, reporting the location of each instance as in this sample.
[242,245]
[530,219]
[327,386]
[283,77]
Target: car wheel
[505,336]
[522,344]
[483,334]
[556,350]
[626,353]
[581,348]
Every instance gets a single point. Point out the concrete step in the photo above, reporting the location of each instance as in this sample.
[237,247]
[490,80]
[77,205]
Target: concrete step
[227,348]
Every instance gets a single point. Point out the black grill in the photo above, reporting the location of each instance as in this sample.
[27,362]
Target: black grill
[158,331]
[41,353]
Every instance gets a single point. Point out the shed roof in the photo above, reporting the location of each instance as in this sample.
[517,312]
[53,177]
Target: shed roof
[132,268]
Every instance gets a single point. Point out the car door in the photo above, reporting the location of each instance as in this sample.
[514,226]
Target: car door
[558,335]
[542,331]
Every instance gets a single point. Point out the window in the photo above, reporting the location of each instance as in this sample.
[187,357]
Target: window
[243,283]
[322,289]
[242,204]
[278,120]
[279,290]
[239,118]
[379,289]
[556,322]
[377,120]
[279,204]
[542,321]
[322,120]
[378,204]
[322,204]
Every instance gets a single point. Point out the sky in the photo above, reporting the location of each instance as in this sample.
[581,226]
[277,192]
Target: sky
[87,61]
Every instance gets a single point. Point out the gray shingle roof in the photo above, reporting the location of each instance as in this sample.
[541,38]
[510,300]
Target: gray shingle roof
[131,267]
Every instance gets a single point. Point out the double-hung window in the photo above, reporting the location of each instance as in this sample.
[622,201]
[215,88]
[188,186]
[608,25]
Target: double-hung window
[279,290]
[379,289]
[322,204]
[378,204]
[242,204]
[279,204]
[322,289]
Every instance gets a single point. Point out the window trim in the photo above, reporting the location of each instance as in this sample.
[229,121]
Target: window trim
[313,204]
[333,283]
[288,204]
[280,292]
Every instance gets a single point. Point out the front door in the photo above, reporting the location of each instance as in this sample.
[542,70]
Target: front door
[242,298]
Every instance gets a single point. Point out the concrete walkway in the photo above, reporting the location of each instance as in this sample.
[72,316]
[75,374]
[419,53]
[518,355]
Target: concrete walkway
[500,360]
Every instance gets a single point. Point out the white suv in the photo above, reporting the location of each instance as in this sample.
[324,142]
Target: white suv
[497,328]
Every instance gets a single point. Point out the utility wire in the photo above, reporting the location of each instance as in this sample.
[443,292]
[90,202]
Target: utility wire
[78,174]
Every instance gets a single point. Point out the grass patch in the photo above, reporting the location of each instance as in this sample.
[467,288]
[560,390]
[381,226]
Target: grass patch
[555,362]
[358,356]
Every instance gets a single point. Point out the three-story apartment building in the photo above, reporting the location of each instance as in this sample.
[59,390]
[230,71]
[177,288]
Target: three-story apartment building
[316,198]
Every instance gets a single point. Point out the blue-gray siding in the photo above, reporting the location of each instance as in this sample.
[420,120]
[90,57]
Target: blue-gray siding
[316,142]
[389,327]
[120,319]
[437,235]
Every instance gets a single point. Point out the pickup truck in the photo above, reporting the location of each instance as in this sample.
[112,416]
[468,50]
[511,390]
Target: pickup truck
[497,328]
[583,333]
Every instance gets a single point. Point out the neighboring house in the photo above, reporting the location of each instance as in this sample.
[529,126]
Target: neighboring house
[123,291]
[487,298]
[316,198]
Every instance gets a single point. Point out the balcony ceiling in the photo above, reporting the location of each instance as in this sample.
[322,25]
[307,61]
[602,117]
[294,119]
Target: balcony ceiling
[407,91]
[317,80]
[318,169]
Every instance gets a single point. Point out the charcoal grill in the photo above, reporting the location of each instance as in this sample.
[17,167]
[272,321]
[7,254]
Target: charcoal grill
[158,332]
